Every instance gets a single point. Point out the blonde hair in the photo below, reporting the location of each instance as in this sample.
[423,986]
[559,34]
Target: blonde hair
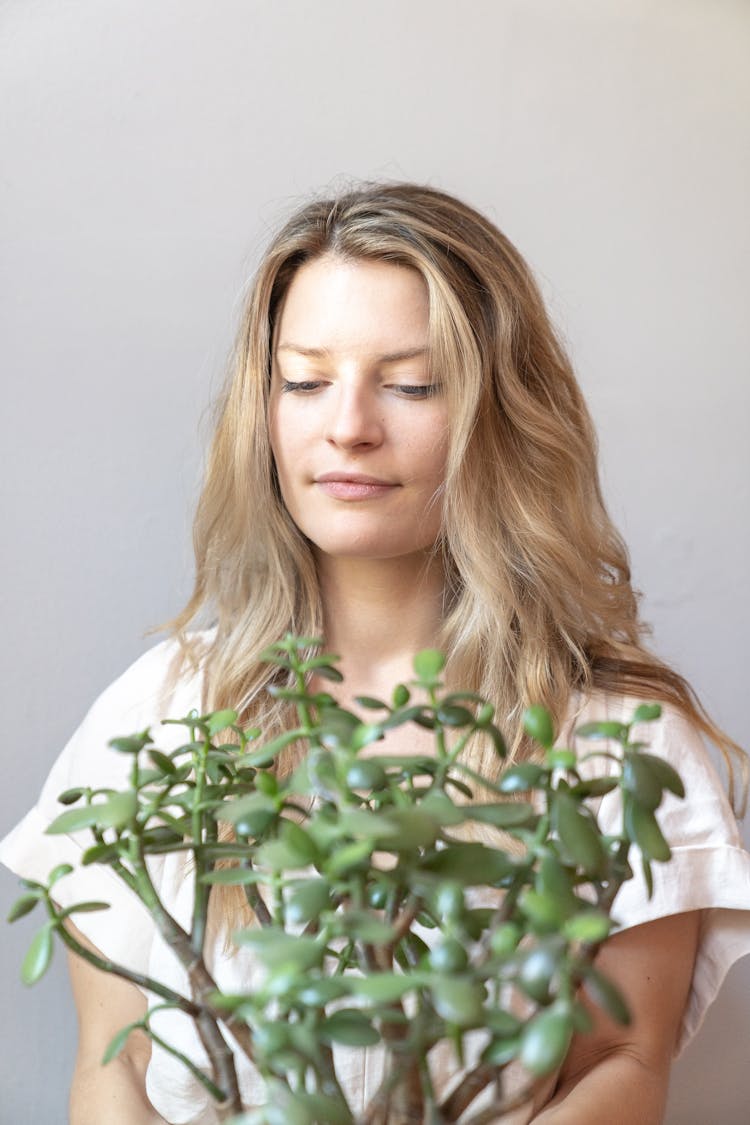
[539,595]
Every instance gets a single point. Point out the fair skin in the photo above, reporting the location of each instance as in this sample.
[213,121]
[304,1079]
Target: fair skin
[378,435]
[105,1004]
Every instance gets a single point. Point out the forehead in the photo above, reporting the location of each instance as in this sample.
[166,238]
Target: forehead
[335,307]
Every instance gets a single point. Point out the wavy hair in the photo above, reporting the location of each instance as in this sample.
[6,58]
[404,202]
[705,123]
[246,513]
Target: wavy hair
[540,604]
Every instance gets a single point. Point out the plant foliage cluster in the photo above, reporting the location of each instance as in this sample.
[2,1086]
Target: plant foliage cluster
[382,914]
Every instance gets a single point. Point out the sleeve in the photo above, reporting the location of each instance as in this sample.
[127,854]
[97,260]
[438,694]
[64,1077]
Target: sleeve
[137,700]
[709,869]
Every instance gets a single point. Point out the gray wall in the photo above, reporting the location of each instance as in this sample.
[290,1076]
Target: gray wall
[148,150]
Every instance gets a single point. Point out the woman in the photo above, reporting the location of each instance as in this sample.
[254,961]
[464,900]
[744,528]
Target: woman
[403,459]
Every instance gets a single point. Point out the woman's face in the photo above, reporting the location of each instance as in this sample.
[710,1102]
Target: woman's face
[359,435]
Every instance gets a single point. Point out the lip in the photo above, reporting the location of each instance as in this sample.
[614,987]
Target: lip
[351,478]
[343,485]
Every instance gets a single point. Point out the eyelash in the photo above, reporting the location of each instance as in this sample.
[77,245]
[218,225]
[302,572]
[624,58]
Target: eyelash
[409,390]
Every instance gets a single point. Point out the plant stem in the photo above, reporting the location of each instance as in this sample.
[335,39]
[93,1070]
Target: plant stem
[188,1006]
[216,1093]
[200,890]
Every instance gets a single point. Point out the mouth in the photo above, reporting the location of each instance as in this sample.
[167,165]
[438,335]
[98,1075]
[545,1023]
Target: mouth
[353,486]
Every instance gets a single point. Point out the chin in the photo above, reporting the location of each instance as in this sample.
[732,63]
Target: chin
[375,550]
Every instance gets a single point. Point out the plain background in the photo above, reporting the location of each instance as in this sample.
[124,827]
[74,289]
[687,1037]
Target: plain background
[149,148]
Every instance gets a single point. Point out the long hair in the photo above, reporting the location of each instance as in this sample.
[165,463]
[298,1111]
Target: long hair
[540,604]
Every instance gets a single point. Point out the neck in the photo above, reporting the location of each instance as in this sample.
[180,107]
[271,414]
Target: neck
[378,613]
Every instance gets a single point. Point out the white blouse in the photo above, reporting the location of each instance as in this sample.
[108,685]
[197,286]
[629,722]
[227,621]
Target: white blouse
[709,871]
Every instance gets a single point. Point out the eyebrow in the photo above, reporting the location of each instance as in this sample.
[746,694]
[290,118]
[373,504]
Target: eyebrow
[324,353]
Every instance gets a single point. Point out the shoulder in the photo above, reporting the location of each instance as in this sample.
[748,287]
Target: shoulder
[160,684]
[164,680]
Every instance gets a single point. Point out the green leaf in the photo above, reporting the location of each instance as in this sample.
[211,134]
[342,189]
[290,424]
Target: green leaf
[668,777]
[22,906]
[317,1107]
[448,956]
[401,695]
[162,762]
[449,900]
[537,969]
[578,835]
[84,908]
[336,727]
[642,828]
[640,780]
[366,775]
[451,715]
[300,841]
[502,1023]
[317,993]
[59,872]
[496,738]
[471,863]
[132,744]
[256,808]
[370,703]
[554,881]
[117,810]
[100,853]
[594,787]
[499,1052]
[264,755]
[73,820]
[280,855]
[328,672]
[428,664]
[541,909]
[648,876]
[646,713]
[364,926]
[383,988]
[39,955]
[460,786]
[561,759]
[266,783]
[504,940]
[351,1027]
[505,814]
[348,857]
[399,829]
[537,722]
[485,714]
[604,993]
[70,796]
[589,926]
[277,949]
[363,823]
[441,809]
[521,777]
[308,900]
[545,1040]
[458,1000]
[118,1042]
[605,728]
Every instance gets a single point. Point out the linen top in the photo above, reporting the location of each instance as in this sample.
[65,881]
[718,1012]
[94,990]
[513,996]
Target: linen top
[709,871]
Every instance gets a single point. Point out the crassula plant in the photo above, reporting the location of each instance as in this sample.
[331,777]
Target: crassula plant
[398,900]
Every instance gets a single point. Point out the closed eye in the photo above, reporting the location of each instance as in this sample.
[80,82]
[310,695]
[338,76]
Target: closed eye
[418,390]
[304,385]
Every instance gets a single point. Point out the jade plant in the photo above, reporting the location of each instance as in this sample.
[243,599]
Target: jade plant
[399,901]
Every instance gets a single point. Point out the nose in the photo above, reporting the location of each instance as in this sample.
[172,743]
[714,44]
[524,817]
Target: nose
[354,420]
